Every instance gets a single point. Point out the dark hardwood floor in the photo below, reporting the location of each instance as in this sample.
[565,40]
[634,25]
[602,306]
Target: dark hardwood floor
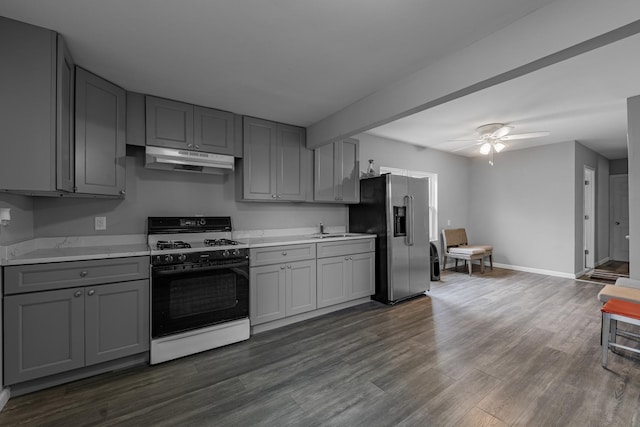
[495,349]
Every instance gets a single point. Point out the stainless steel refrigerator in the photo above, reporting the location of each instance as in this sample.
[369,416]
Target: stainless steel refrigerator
[396,209]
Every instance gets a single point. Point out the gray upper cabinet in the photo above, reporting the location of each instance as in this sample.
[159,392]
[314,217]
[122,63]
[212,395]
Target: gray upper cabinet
[65,118]
[336,172]
[176,124]
[36,109]
[275,163]
[100,150]
[169,123]
[214,131]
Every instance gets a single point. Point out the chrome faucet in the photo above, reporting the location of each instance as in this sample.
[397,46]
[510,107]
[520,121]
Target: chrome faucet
[321,228]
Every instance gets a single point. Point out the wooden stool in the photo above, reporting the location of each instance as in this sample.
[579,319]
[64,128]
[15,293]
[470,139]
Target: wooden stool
[615,310]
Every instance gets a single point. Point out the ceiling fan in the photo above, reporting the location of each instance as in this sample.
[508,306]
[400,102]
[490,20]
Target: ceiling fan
[492,136]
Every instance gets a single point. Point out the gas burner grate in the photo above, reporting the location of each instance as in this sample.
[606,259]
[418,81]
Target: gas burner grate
[219,242]
[172,244]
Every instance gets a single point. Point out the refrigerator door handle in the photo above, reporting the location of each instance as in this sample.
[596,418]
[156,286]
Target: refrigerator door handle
[407,220]
[411,218]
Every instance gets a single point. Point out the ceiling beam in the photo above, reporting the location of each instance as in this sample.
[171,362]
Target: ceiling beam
[554,33]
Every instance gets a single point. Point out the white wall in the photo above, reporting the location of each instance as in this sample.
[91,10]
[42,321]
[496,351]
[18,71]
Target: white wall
[452,170]
[524,207]
[20,227]
[633,145]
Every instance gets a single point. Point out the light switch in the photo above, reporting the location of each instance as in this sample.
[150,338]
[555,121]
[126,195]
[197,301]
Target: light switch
[101,223]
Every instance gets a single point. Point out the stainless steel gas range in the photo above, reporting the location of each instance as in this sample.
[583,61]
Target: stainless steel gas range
[199,286]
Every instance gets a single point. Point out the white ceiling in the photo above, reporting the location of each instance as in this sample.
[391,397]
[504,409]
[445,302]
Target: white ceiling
[299,61]
[581,99]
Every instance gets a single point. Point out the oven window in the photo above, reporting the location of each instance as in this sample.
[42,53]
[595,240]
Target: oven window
[196,295]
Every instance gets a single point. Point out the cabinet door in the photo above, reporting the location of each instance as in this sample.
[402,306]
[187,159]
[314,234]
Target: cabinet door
[267,293]
[214,131]
[259,164]
[331,282]
[324,174]
[27,107]
[291,164]
[65,168]
[43,334]
[100,135]
[362,274]
[301,292]
[169,123]
[349,169]
[116,320]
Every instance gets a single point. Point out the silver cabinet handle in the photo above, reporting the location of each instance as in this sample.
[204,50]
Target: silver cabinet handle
[288,266]
[91,292]
[197,146]
[273,196]
[77,294]
[282,267]
[84,273]
[284,253]
[189,145]
[123,192]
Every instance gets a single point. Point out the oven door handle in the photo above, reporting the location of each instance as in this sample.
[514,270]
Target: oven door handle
[159,272]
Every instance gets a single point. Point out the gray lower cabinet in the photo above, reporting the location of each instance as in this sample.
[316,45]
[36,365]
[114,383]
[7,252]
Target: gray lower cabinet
[275,161]
[345,271]
[100,136]
[62,316]
[281,290]
[337,172]
[43,334]
[50,332]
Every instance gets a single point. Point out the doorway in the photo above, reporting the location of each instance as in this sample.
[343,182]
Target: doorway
[619,217]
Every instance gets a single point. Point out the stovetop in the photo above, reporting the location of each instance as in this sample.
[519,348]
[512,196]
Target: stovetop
[175,235]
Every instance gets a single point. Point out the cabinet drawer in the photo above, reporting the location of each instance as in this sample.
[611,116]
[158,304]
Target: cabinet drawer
[345,247]
[60,275]
[278,254]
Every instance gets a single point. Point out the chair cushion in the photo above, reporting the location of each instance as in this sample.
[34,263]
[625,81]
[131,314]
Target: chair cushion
[619,292]
[466,250]
[487,248]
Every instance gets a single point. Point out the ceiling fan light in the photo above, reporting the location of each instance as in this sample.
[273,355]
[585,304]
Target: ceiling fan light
[498,146]
[485,149]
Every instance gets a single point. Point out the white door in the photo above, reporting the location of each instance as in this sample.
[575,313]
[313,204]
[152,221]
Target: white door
[619,228]
[589,219]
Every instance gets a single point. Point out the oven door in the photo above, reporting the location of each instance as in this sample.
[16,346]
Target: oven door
[187,297]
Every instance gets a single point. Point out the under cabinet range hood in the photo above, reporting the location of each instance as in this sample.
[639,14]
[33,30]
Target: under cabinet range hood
[187,161]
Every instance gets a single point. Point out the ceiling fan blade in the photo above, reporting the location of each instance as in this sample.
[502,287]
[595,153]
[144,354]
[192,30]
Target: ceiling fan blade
[501,132]
[466,146]
[524,135]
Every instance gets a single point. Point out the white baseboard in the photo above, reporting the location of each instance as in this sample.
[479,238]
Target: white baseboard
[5,394]
[603,261]
[536,270]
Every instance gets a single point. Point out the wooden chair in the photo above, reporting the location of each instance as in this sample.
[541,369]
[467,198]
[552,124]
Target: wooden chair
[456,246]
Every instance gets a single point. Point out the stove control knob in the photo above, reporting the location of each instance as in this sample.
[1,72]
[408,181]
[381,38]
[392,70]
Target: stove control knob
[182,257]
[202,221]
[168,258]
[236,252]
[225,253]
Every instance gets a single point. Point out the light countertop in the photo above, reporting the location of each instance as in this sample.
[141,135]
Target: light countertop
[61,249]
[260,242]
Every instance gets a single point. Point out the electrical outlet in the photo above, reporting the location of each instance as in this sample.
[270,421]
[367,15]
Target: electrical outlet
[101,223]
